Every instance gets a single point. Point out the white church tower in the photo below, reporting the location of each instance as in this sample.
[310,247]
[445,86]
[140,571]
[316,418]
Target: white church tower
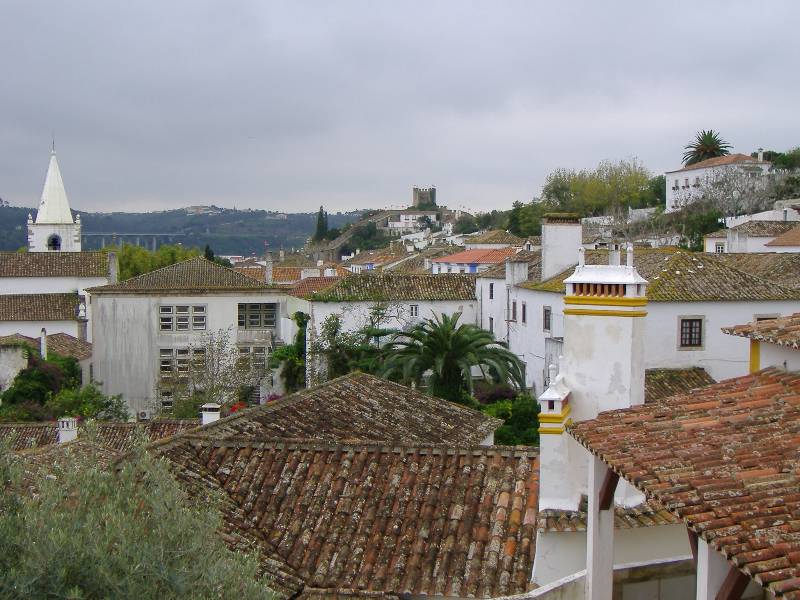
[54,230]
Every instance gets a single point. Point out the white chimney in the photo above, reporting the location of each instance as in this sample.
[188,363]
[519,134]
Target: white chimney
[113,267]
[562,235]
[67,429]
[268,268]
[516,272]
[760,154]
[281,254]
[320,262]
[309,272]
[43,344]
[210,412]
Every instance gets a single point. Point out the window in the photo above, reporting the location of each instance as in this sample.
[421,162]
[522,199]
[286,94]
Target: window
[175,363]
[524,313]
[182,317]
[691,332]
[414,310]
[257,316]
[491,325]
[252,357]
[547,318]
[491,291]
[514,310]
[719,247]
[675,187]
[54,242]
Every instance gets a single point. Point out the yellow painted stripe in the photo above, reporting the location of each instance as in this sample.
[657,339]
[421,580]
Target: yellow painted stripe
[555,418]
[605,300]
[755,356]
[555,430]
[605,313]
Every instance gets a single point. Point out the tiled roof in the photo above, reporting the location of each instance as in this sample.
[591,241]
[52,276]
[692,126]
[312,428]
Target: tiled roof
[647,514]
[416,264]
[780,267]
[383,287]
[115,436]
[720,161]
[360,407]
[718,234]
[679,276]
[349,519]
[790,238]
[764,228]
[495,236]
[53,264]
[38,307]
[378,257]
[784,331]
[195,274]
[724,459]
[662,383]
[532,257]
[68,345]
[480,257]
[20,436]
[311,285]
[55,458]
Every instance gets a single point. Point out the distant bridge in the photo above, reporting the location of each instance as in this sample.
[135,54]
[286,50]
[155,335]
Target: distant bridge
[145,240]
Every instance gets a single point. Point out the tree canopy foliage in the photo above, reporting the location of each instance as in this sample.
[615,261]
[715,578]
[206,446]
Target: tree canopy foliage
[92,532]
[445,352]
[291,358]
[706,144]
[135,260]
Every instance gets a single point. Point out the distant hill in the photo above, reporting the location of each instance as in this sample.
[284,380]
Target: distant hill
[227,231]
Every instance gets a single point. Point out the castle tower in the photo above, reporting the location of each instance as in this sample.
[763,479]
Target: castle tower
[54,230]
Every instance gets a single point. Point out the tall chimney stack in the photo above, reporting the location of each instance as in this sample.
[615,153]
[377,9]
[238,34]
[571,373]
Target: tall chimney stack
[268,268]
[43,344]
[113,267]
[562,235]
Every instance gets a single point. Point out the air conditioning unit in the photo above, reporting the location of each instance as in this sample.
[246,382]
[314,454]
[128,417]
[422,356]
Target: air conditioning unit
[143,415]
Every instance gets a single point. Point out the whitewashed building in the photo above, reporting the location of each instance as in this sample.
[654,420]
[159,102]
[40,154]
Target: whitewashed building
[401,300]
[773,342]
[147,326]
[756,236]
[685,185]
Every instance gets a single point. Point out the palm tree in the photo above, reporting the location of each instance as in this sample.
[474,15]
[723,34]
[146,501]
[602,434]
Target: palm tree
[706,144]
[449,351]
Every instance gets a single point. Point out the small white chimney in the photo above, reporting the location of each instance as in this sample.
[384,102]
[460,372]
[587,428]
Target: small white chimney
[67,429]
[320,262]
[307,272]
[562,235]
[43,344]
[281,254]
[113,267]
[268,263]
[209,412]
[760,154]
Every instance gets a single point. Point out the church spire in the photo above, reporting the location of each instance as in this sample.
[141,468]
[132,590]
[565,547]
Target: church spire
[54,206]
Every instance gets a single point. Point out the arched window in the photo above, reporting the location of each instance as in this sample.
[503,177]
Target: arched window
[54,242]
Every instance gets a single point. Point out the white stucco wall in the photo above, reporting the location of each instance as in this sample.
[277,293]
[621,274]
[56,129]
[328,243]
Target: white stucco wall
[723,356]
[34,328]
[773,355]
[710,244]
[70,234]
[738,242]
[559,554]
[685,186]
[12,361]
[127,337]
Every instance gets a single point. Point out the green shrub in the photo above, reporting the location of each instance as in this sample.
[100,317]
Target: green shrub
[91,532]
[521,416]
[87,402]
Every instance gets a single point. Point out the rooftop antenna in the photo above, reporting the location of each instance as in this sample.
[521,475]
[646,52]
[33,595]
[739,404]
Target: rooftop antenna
[53,147]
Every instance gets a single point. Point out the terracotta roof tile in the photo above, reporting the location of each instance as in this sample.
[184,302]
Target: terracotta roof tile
[365,287]
[480,257]
[353,519]
[764,228]
[647,514]
[784,331]
[723,458]
[360,407]
[679,276]
[719,161]
[114,436]
[495,236]
[790,238]
[662,383]
[60,343]
[39,307]
[195,274]
[53,264]
[311,285]
[377,257]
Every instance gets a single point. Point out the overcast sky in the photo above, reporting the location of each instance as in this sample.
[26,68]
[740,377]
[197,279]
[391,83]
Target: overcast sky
[286,106]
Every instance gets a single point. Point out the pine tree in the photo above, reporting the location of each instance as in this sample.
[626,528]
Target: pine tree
[322,225]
